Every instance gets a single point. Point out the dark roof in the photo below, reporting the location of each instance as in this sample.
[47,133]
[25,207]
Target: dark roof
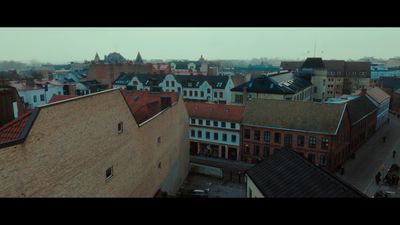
[139,58]
[359,108]
[390,82]
[295,115]
[335,66]
[358,67]
[291,65]
[286,174]
[313,63]
[183,65]
[286,83]
[216,82]
[145,79]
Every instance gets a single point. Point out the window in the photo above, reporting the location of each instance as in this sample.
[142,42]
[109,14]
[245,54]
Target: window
[277,137]
[266,151]
[192,133]
[233,138]
[42,98]
[250,193]
[34,98]
[172,83]
[208,90]
[215,136]
[109,173]
[202,93]
[239,99]
[59,92]
[207,135]
[266,136]
[167,83]
[312,141]
[200,122]
[195,93]
[199,134]
[300,140]
[256,135]
[215,123]
[246,149]
[221,94]
[256,151]
[288,139]
[323,160]
[247,133]
[223,124]
[224,137]
[159,140]
[315,90]
[193,121]
[190,93]
[120,127]
[207,122]
[215,95]
[184,93]
[325,143]
[233,125]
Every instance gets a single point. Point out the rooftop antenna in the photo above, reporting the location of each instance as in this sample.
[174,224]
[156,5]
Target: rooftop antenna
[315,47]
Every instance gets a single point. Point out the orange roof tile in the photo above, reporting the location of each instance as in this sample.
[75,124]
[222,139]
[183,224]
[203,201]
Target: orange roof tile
[56,98]
[144,104]
[12,130]
[222,112]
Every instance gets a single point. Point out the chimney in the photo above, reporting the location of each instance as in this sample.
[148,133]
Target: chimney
[165,102]
[244,95]
[363,91]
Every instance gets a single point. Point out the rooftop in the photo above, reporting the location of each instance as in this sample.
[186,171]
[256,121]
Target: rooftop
[376,93]
[12,131]
[359,108]
[294,115]
[286,174]
[57,98]
[221,112]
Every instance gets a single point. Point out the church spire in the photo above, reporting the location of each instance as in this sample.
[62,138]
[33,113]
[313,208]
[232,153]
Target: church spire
[202,59]
[97,58]
[139,59]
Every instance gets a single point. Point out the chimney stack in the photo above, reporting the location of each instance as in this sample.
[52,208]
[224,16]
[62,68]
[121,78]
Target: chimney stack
[363,91]
[165,102]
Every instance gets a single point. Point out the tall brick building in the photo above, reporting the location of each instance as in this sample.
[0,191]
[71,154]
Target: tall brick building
[99,145]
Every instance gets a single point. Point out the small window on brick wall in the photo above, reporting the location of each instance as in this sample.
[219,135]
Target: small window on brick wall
[159,165]
[120,127]
[159,140]
[109,173]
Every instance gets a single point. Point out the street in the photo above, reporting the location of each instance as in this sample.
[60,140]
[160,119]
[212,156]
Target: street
[374,156]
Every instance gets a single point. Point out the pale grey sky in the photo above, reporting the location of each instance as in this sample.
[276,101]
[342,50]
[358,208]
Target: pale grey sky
[61,45]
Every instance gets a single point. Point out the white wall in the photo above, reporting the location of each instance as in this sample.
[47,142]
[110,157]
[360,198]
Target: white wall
[255,192]
[28,95]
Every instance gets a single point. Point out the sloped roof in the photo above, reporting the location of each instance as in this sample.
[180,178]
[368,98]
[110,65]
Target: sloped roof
[314,63]
[303,116]
[288,175]
[291,65]
[222,112]
[12,131]
[238,80]
[376,94]
[216,82]
[145,79]
[56,98]
[144,104]
[286,83]
[358,67]
[359,108]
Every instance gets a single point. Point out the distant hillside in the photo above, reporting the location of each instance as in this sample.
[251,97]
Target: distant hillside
[12,65]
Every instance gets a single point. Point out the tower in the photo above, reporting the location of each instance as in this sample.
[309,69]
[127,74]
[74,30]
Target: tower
[139,59]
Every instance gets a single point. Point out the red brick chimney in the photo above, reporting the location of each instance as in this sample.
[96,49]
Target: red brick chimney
[363,91]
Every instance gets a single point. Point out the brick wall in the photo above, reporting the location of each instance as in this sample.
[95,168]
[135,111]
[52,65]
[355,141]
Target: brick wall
[72,144]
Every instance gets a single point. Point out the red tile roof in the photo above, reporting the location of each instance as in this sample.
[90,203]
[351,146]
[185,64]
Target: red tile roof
[375,93]
[222,112]
[144,104]
[12,130]
[56,98]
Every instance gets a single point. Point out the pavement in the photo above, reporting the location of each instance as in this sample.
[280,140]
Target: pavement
[218,188]
[375,156]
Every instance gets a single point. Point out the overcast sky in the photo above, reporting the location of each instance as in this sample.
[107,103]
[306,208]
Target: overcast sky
[61,45]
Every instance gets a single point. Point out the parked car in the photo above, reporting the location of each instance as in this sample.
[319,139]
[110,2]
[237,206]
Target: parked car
[198,193]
